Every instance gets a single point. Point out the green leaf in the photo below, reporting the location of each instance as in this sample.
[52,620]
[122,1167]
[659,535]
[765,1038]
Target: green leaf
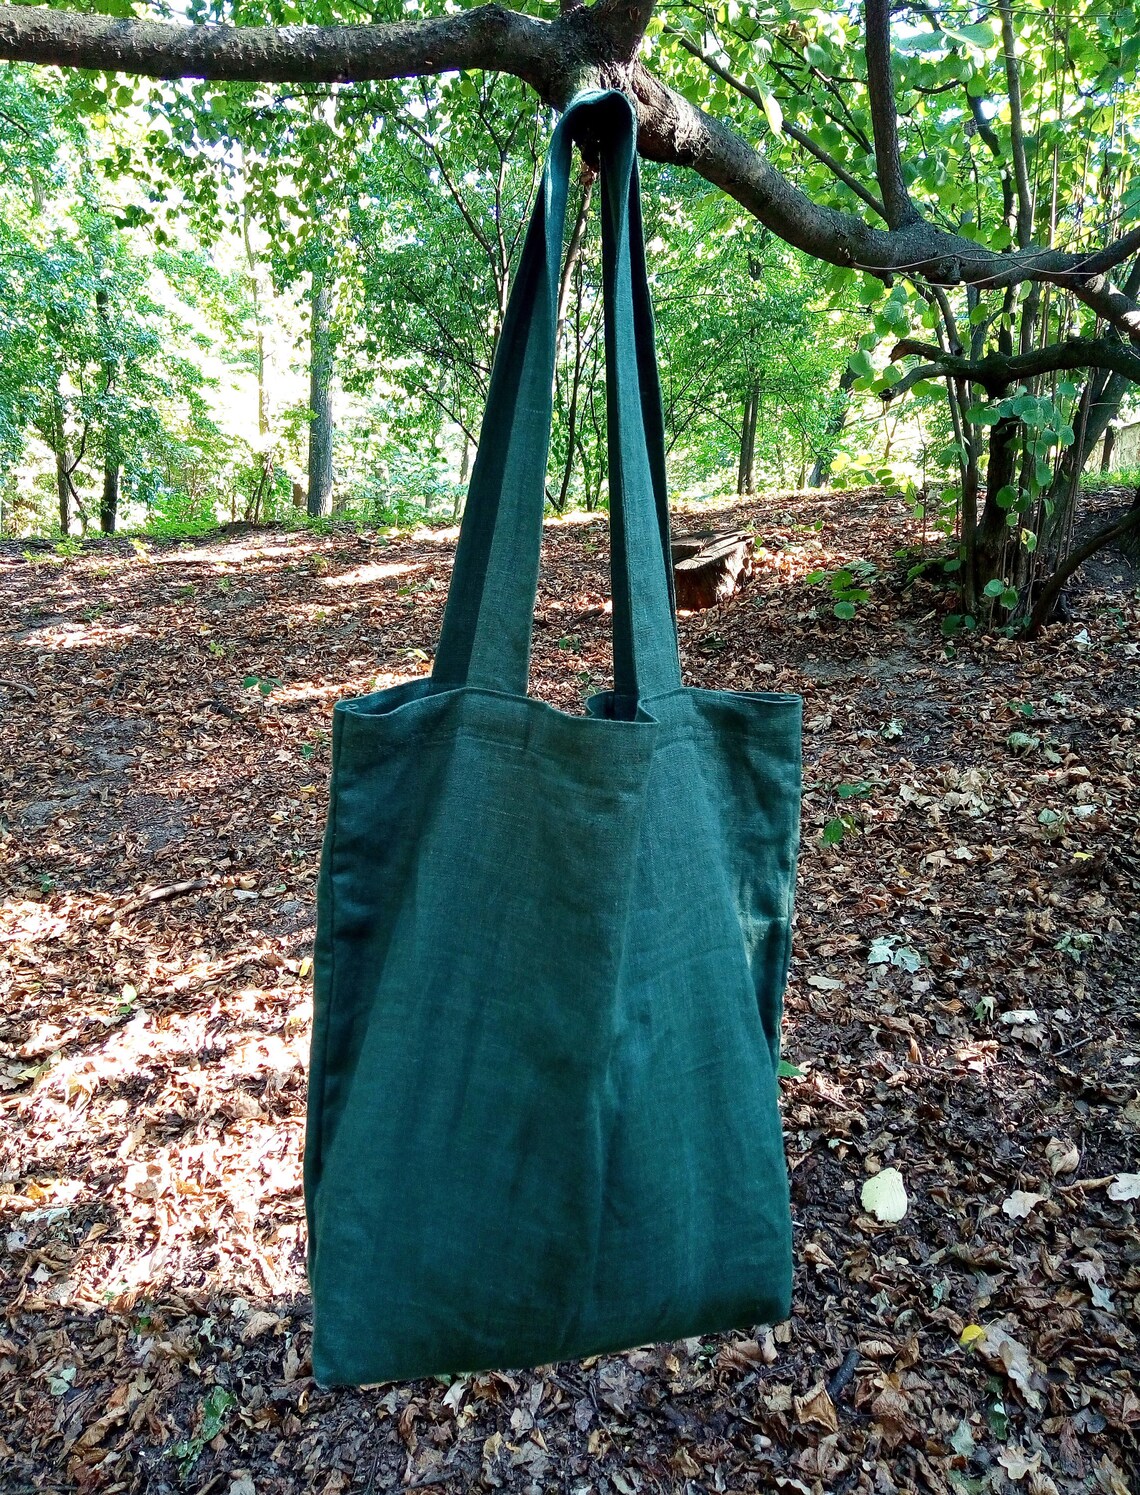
[1009,597]
[214,1411]
[786,1071]
[994,588]
[834,831]
[980,35]
[983,415]
[844,610]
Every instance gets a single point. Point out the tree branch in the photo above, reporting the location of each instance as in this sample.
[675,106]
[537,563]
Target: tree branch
[485,37]
[998,371]
[1016,128]
[790,128]
[884,116]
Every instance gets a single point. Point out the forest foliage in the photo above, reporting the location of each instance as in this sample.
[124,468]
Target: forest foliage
[340,254]
[159,262]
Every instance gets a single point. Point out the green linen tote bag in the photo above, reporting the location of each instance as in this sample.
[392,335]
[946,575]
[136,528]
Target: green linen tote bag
[551,949]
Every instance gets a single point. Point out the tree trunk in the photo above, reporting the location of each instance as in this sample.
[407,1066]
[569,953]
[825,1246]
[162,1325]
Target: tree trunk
[572,412]
[109,501]
[64,463]
[1106,454]
[745,473]
[709,566]
[993,527]
[841,406]
[1121,530]
[112,455]
[320,396]
[255,290]
[63,490]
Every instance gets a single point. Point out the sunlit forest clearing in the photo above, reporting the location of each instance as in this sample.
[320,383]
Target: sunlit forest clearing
[255,270]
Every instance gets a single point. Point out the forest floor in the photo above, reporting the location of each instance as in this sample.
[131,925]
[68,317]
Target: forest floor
[963,1007]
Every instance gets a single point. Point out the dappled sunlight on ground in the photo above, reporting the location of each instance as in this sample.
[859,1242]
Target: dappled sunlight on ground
[361,576]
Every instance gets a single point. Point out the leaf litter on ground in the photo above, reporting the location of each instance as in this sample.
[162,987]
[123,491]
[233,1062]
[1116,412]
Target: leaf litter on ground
[161,821]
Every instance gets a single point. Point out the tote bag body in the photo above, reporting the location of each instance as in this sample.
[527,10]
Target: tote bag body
[551,950]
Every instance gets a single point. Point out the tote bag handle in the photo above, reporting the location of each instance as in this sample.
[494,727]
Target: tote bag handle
[486,633]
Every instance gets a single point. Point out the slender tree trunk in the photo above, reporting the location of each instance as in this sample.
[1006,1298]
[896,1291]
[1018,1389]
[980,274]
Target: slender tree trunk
[574,251]
[255,290]
[745,472]
[66,492]
[64,466]
[572,413]
[112,454]
[968,524]
[1127,526]
[109,501]
[992,526]
[320,396]
[63,490]
[839,412]
[1106,454]
[750,470]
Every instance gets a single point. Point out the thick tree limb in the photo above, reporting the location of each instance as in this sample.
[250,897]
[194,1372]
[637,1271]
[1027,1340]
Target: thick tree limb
[884,116]
[997,372]
[485,37]
[584,46]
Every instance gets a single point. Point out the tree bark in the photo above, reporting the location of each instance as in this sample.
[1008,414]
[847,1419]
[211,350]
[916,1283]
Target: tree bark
[993,528]
[319,498]
[112,451]
[1106,454]
[258,318]
[1103,404]
[900,210]
[63,492]
[746,468]
[109,499]
[709,566]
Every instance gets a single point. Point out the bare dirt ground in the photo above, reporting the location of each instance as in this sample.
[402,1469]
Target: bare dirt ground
[963,1008]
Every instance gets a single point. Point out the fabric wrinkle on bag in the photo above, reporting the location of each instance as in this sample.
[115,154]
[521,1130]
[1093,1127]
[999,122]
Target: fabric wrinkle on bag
[551,949]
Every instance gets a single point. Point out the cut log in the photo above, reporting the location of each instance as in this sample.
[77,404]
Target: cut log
[709,566]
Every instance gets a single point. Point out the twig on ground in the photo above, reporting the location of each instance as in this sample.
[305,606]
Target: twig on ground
[29,690]
[161,895]
[1073,1047]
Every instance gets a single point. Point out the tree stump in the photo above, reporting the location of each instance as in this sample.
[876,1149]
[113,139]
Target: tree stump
[709,566]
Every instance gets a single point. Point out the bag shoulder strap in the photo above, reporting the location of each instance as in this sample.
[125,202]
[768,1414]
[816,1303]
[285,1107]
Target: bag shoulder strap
[487,622]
